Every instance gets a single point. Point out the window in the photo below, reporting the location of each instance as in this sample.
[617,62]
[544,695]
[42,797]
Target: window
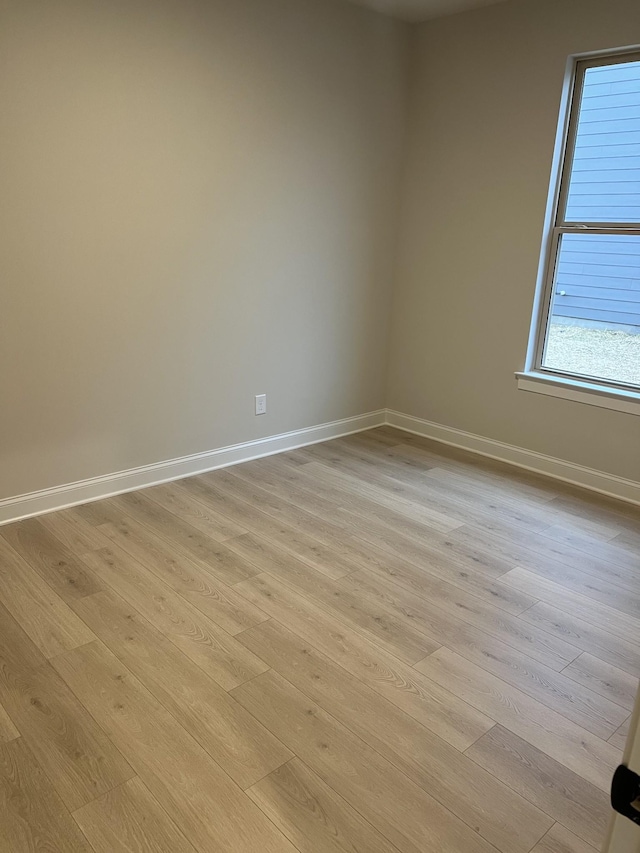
[587,327]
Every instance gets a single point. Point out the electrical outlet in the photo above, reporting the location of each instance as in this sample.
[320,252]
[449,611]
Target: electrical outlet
[261,404]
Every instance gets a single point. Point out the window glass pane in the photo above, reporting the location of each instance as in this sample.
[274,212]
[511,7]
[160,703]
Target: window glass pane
[605,176]
[594,324]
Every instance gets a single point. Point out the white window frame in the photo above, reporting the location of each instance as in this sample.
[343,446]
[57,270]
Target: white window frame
[536,377]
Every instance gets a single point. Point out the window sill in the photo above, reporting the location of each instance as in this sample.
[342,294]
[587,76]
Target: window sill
[580,392]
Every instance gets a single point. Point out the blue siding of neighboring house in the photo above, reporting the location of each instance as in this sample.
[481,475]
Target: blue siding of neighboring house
[598,279]
[598,276]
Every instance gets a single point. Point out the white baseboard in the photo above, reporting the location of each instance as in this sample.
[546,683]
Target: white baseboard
[96,488]
[558,469]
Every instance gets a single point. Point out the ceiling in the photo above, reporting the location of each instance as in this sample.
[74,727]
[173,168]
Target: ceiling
[422,10]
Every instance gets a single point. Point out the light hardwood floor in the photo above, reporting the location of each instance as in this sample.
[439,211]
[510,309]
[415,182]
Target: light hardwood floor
[373,645]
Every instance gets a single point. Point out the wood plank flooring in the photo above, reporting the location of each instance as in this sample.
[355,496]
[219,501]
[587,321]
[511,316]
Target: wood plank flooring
[372,645]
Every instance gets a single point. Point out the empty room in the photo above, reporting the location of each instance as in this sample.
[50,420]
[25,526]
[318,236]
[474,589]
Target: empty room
[320,426]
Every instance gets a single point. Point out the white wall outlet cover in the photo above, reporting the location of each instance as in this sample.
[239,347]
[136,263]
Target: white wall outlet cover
[261,404]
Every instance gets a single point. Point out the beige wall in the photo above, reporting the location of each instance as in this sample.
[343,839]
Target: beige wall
[485,96]
[198,204]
